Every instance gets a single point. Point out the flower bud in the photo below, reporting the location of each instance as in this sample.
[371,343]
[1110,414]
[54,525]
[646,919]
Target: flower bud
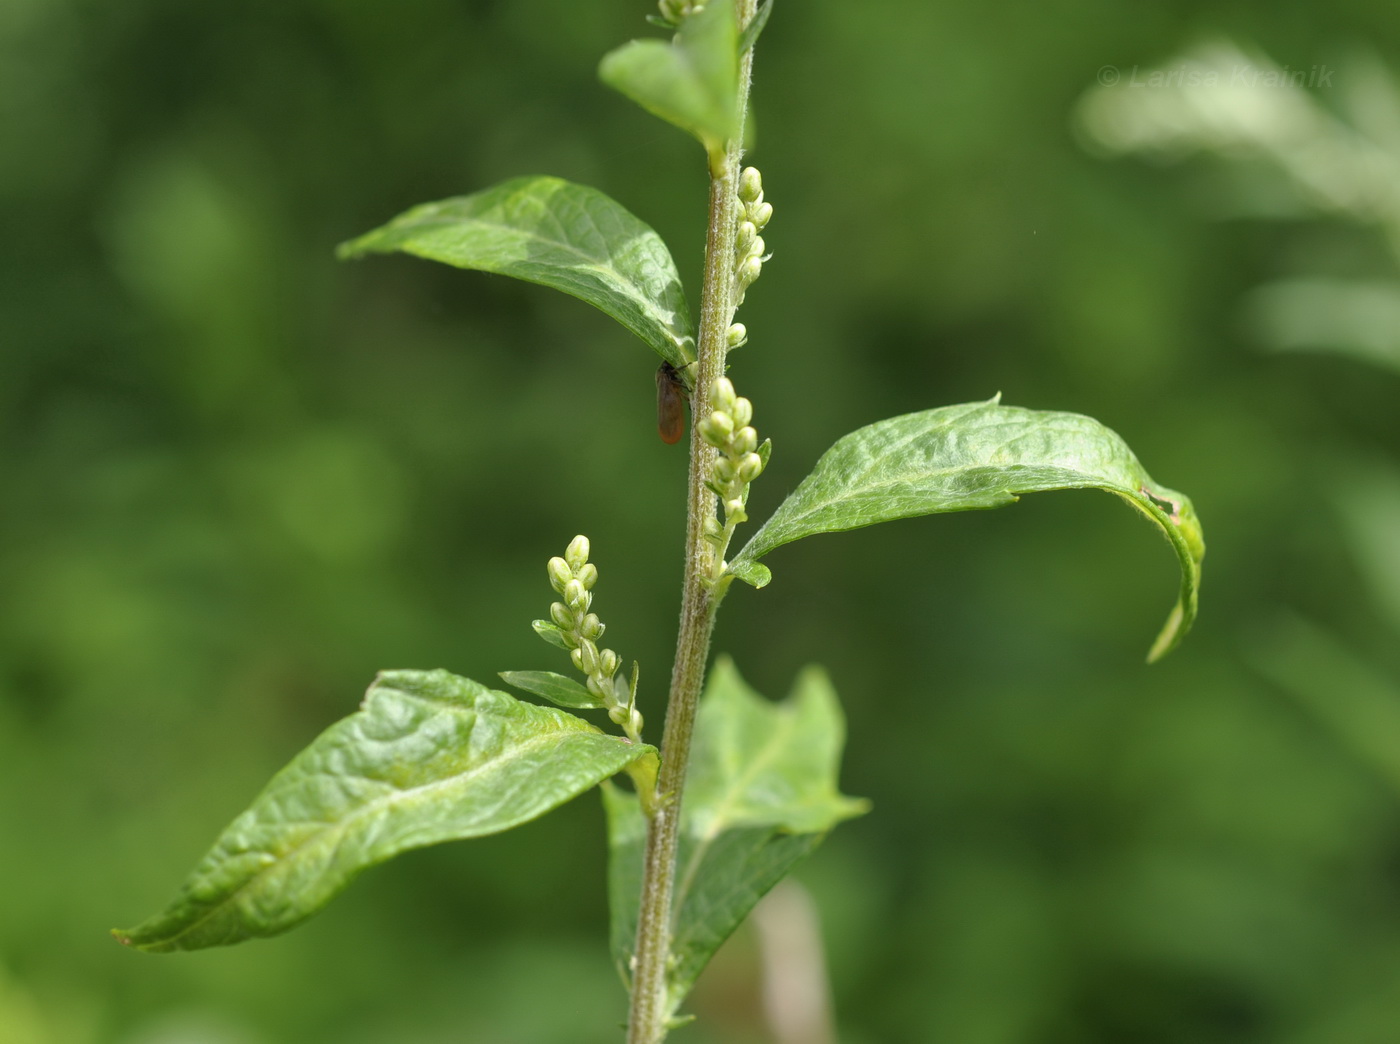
[719,426]
[562,616]
[576,597]
[591,627]
[598,687]
[559,574]
[748,232]
[750,185]
[759,248]
[745,441]
[587,660]
[723,394]
[750,467]
[737,335]
[742,412]
[577,552]
[749,271]
[760,214]
[724,471]
[577,656]
[713,530]
[608,662]
[588,575]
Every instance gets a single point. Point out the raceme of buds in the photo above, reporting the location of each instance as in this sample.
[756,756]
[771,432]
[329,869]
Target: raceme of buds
[750,251]
[573,578]
[728,429]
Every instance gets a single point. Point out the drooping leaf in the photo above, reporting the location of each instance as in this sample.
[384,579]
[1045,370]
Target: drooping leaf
[557,688]
[760,795]
[552,232]
[691,81]
[973,456]
[429,757]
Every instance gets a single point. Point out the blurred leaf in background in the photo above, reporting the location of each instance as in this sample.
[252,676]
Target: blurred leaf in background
[240,478]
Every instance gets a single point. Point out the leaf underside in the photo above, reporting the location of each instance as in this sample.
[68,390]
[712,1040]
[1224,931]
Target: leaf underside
[556,233]
[429,757]
[975,456]
[761,794]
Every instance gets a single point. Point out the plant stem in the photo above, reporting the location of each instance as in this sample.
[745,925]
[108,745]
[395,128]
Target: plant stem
[650,1011]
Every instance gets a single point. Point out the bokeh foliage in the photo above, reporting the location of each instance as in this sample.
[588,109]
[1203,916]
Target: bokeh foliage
[239,478]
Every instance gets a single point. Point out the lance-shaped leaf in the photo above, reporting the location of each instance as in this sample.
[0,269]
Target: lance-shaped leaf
[429,757]
[692,81]
[972,456]
[760,795]
[553,232]
[558,689]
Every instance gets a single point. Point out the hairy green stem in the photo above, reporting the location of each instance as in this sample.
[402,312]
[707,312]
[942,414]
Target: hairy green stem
[650,1011]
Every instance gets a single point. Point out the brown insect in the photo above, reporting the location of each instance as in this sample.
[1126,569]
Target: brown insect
[670,404]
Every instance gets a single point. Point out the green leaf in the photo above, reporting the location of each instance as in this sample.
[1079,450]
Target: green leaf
[555,233]
[692,81]
[556,688]
[552,633]
[429,757]
[755,26]
[972,456]
[760,795]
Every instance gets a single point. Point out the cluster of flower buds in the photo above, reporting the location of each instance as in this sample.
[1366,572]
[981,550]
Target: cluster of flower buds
[673,12]
[728,429]
[749,247]
[572,578]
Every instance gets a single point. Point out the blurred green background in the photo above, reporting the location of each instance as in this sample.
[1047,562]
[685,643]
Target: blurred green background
[239,478]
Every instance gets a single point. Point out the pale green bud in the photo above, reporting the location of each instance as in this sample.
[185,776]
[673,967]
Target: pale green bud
[598,687]
[749,271]
[577,656]
[559,574]
[609,662]
[576,554]
[724,471]
[587,660]
[759,248]
[750,467]
[745,441]
[748,232]
[588,575]
[742,412]
[576,597]
[750,185]
[734,510]
[718,428]
[737,335]
[562,616]
[618,716]
[591,627]
[723,394]
[760,214]
[714,436]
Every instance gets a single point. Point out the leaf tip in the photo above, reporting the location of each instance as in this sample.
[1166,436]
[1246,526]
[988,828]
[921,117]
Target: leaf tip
[755,574]
[1171,635]
[123,937]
